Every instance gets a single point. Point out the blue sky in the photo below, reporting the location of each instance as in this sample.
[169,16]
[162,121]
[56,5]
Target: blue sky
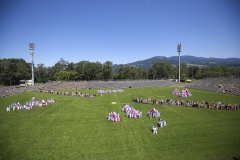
[121,31]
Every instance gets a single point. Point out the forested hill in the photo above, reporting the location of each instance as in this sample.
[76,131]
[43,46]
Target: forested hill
[147,63]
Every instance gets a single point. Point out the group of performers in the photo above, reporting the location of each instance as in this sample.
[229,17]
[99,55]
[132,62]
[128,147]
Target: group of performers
[184,93]
[79,94]
[29,105]
[153,129]
[113,116]
[101,91]
[189,103]
[131,112]
[161,123]
[153,113]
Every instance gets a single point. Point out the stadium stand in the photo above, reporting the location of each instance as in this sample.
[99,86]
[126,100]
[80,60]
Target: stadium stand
[107,84]
[221,85]
[11,90]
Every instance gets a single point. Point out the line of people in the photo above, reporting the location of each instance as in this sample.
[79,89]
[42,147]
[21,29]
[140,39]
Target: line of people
[189,103]
[78,94]
[29,104]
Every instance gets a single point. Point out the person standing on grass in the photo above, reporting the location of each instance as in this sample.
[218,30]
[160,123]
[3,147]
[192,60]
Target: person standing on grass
[8,109]
[236,107]
[155,130]
[109,115]
[151,127]
[164,123]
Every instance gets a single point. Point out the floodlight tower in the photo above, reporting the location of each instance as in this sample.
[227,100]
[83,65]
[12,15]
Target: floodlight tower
[179,49]
[192,69]
[31,48]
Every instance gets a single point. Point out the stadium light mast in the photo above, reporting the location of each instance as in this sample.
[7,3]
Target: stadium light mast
[179,49]
[31,48]
[192,69]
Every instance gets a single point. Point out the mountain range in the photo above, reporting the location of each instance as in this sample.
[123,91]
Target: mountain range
[191,60]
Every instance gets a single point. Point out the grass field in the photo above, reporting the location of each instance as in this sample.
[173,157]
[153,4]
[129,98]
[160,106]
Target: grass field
[77,128]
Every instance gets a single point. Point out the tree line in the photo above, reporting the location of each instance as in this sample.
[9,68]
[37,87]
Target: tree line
[12,70]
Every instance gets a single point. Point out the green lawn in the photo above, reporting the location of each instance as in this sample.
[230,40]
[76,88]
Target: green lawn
[77,128]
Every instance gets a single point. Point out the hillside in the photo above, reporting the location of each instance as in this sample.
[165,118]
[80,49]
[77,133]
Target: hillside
[147,63]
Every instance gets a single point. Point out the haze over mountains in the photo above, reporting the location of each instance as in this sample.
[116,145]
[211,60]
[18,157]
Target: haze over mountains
[147,63]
